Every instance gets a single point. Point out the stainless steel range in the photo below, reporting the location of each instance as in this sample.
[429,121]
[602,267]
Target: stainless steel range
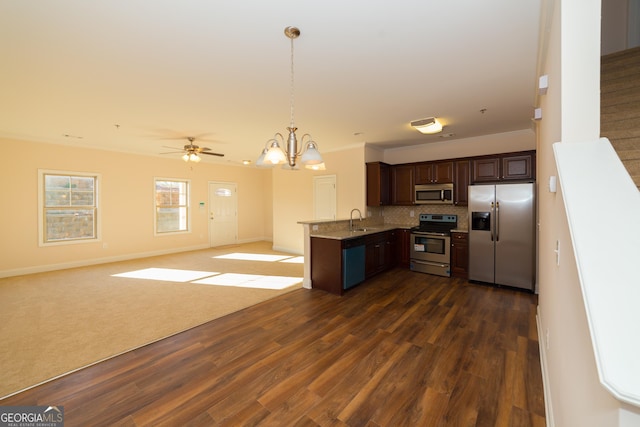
[431,243]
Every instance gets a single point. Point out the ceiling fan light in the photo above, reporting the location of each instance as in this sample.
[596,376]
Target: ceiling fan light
[427,126]
[185,157]
[194,158]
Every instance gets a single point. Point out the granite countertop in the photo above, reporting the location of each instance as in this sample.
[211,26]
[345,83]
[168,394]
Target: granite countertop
[459,230]
[346,234]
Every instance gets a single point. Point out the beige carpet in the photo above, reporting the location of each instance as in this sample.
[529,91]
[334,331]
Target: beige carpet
[54,323]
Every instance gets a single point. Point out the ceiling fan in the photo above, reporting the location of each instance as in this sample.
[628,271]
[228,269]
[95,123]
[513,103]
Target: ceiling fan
[191,152]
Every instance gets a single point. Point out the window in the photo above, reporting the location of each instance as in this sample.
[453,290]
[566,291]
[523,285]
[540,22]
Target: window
[68,207]
[172,206]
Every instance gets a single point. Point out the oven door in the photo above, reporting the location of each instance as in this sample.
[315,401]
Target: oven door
[432,247]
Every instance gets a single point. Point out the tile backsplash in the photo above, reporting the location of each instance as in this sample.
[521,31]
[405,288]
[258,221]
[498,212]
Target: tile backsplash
[397,215]
[402,214]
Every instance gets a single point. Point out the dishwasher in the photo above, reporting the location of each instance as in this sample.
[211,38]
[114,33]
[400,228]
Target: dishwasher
[352,266]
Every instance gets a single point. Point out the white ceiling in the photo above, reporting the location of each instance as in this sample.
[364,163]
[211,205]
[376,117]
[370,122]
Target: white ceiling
[143,74]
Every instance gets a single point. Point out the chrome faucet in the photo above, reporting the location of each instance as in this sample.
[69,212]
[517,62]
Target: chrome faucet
[351,218]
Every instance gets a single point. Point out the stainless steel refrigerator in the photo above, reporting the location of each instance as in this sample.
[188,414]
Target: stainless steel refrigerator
[502,234]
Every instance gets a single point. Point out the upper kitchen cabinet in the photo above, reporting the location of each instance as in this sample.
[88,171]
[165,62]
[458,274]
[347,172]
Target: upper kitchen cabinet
[519,167]
[378,184]
[402,184]
[504,167]
[434,173]
[460,189]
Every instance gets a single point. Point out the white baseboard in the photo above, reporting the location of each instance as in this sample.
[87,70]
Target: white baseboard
[548,407]
[95,261]
[287,250]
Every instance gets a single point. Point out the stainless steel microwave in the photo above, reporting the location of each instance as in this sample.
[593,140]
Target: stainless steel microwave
[433,194]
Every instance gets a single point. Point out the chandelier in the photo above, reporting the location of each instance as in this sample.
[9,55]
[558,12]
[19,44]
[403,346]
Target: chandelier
[273,153]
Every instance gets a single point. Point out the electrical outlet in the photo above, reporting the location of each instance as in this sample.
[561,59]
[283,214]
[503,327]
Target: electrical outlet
[314,228]
[412,214]
[557,251]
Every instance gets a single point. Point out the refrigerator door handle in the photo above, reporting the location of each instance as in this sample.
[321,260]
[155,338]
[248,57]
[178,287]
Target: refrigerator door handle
[497,221]
[492,220]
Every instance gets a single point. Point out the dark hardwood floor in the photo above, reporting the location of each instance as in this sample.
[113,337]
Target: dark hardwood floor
[403,349]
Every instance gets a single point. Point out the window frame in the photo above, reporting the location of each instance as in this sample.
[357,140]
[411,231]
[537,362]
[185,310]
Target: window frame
[187,206]
[43,240]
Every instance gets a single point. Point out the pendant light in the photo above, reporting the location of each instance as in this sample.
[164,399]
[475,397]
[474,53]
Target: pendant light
[274,153]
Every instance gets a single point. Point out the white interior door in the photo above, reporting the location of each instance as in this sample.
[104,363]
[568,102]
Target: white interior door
[223,213]
[324,197]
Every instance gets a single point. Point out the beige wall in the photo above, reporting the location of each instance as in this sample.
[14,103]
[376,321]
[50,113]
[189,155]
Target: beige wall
[293,195]
[571,112]
[126,204]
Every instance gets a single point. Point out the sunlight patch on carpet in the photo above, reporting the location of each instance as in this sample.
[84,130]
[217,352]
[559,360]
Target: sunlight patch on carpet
[167,274]
[250,281]
[212,278]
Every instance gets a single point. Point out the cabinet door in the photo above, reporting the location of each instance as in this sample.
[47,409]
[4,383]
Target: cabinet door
[486,169]
[434,173]
[378,184]
[424,173]
[517,167]
[461,183]
[459,255]
[443,172]
[402,184]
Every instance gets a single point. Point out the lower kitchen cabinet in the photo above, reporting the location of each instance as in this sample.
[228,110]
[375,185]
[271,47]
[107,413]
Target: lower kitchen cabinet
[379,253]
[403,250]
[338,265]
[459,255]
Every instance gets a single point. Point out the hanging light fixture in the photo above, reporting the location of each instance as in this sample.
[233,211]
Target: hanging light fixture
[273,153]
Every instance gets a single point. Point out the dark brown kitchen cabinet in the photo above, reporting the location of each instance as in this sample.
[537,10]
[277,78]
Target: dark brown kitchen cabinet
[379,255]
[434,173]
[461,187]
[403,240]
[378,184]
[504,167]
[518,167]
[402,184]
[326,265]
[459,255]
[331,263]
[486,169]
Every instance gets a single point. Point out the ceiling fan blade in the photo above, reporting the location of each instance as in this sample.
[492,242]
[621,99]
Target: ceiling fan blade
[172,152]
[212,154]
[173,148]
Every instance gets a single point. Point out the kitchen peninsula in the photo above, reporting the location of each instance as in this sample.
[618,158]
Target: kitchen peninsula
[344,257]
